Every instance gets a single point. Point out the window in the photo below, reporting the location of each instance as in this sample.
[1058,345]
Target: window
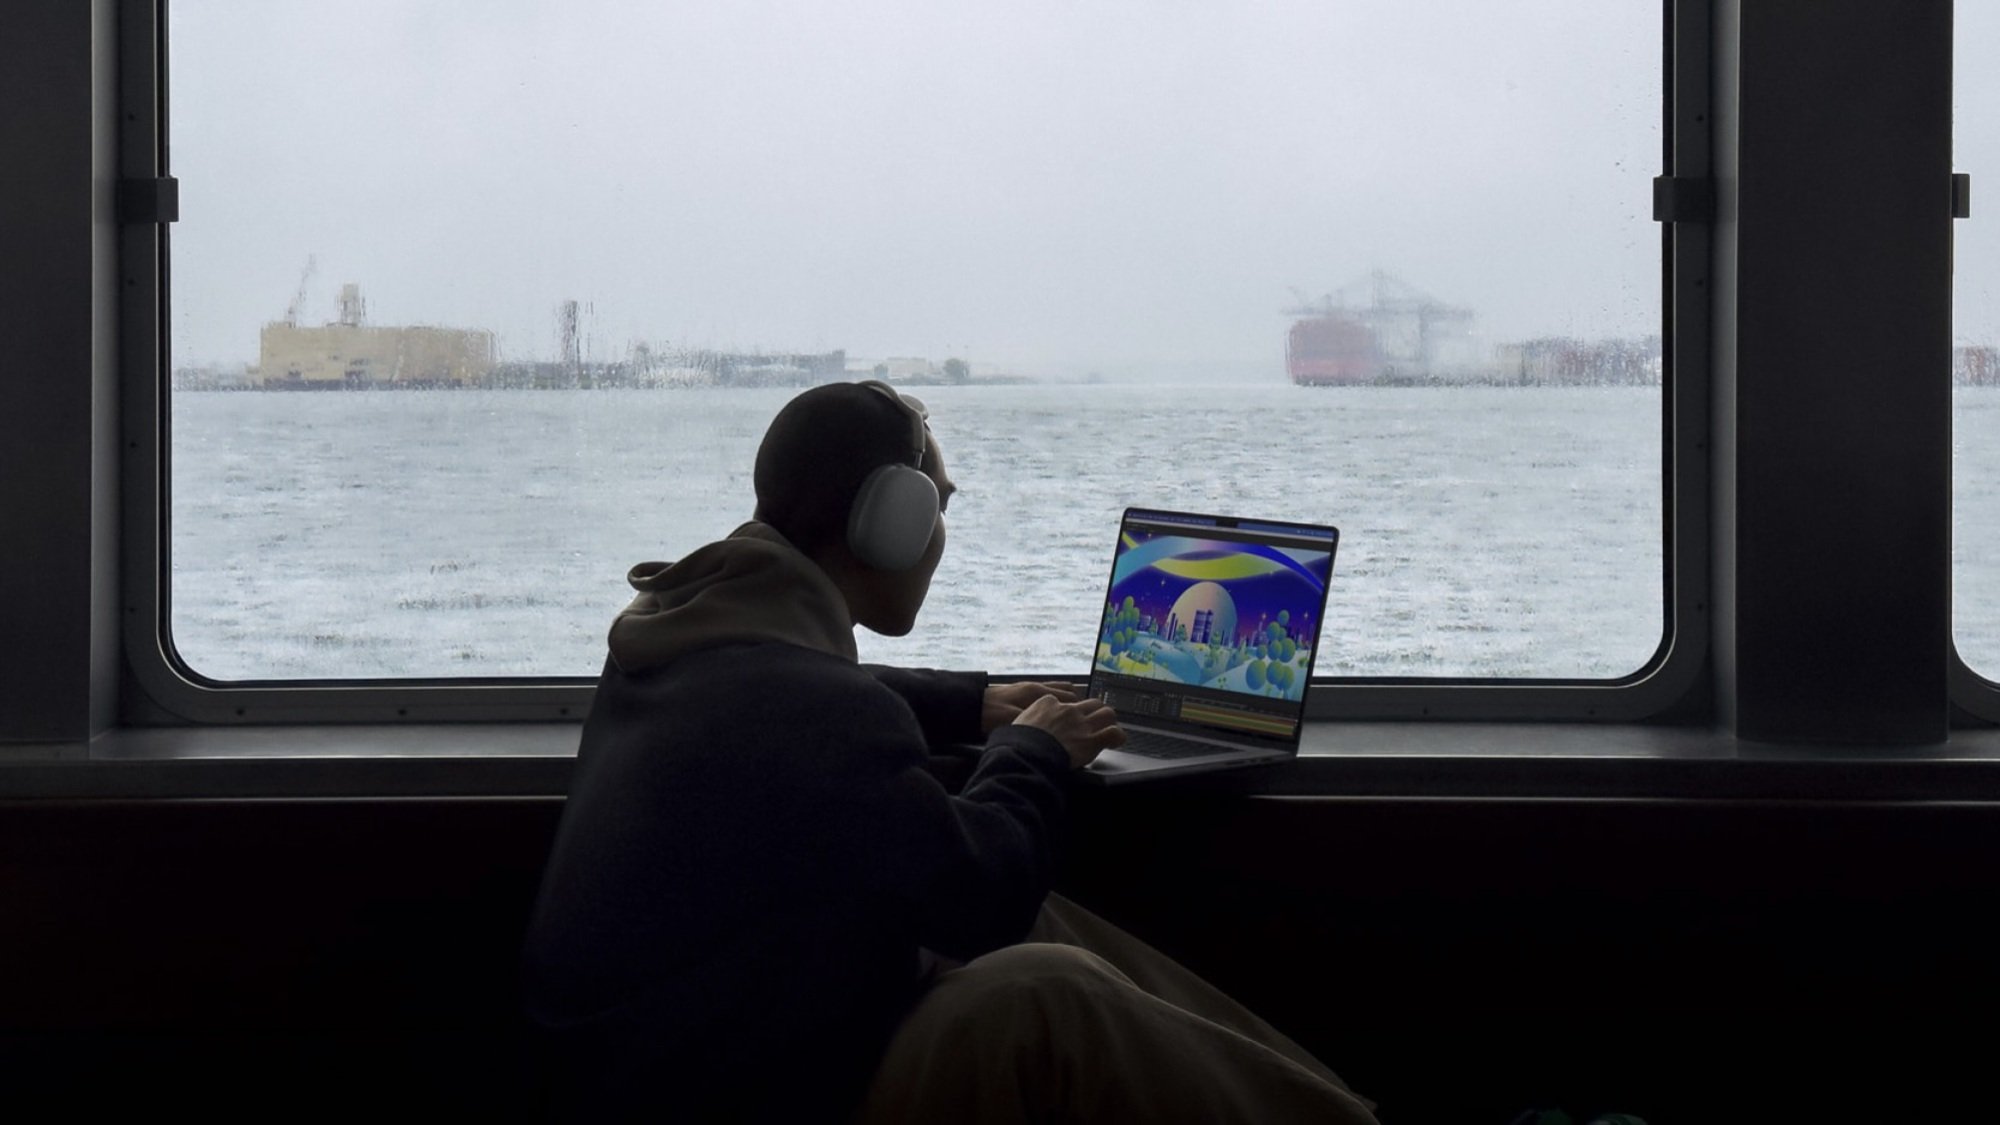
[1976,352]
[568,258]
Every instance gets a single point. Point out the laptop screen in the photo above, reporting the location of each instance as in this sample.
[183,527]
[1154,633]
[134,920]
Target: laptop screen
[1212,622]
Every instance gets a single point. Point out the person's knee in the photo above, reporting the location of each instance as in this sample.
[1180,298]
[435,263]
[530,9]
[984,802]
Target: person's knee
[1044,967]
[1027,980]
[1000,1022]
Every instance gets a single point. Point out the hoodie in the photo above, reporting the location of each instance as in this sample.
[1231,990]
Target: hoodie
[754,855]
[753,586]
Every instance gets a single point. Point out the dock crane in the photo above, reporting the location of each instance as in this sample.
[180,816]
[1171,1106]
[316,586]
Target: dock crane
[299,298]
[1303,305]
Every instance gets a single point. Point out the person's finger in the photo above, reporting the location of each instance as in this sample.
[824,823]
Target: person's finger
[1031,691]
[1103,729]
[1096,720]
[1041,710]
[1095,709]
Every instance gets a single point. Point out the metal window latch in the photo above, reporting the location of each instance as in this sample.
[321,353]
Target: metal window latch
[1961,195]
[149,201]
[1683,199]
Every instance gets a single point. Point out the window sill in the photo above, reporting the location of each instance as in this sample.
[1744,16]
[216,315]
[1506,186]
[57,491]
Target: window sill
[1375,760]
[317,761]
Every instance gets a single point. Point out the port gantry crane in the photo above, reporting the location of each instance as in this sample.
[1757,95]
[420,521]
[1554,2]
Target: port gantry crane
[298,304]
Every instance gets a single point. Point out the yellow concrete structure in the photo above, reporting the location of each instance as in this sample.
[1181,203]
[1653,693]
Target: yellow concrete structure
[353,354]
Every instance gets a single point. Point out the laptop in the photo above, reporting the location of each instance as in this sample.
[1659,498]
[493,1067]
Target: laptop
[1207,642]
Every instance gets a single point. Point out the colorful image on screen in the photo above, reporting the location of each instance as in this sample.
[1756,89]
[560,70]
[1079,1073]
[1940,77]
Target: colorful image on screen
[1214,614]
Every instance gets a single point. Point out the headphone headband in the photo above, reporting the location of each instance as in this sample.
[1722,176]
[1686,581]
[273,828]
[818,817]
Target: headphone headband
[911,406]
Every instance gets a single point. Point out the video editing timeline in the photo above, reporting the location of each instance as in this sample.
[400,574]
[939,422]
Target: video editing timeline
[1168,707]
[1213,622]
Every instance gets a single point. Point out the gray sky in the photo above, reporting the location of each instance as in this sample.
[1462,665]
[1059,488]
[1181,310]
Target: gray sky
[1976,150]
[1053,188]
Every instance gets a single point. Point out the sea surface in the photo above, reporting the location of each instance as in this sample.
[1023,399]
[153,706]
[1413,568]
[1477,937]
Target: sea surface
[1485,531]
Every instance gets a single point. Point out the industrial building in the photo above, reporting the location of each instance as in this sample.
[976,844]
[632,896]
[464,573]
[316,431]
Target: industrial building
[352,353]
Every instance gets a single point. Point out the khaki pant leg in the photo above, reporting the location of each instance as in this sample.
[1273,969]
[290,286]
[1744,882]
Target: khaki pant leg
[1043,1032]
[1064,921]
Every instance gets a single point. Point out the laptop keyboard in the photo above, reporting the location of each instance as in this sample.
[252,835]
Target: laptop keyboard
[1148,744]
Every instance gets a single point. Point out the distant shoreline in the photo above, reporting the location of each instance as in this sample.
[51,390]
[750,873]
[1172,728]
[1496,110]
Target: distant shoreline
[197,381]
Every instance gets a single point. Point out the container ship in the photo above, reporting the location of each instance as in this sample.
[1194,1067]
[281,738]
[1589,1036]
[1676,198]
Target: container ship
[1379,330]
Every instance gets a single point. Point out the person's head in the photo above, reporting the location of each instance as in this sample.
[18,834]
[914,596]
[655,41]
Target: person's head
[816,456]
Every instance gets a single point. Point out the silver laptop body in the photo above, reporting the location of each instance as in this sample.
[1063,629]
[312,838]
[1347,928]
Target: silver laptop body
[1206,645]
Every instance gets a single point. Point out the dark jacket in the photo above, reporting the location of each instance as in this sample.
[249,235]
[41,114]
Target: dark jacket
[754,852]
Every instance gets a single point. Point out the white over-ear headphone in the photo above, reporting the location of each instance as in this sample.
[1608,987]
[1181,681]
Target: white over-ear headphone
[890,523]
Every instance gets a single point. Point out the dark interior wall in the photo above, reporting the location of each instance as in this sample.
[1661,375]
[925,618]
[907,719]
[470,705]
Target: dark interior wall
[1455,959]
[266,958]
[58,314]
[1686,960]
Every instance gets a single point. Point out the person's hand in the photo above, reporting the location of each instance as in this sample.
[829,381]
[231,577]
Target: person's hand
[1084,726]
[1004,702]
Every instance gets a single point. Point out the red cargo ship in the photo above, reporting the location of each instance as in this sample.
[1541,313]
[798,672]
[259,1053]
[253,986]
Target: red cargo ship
[1332,349]
[1393,333]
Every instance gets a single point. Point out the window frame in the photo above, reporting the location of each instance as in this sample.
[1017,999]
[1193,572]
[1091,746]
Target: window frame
[1976,695]
[170,693]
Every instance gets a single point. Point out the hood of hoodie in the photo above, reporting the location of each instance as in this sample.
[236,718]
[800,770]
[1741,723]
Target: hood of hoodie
[752,586]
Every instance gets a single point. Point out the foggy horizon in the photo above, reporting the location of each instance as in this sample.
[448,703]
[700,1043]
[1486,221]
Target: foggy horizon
[1054,191]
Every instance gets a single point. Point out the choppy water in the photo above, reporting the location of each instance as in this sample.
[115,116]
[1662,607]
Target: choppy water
[1485,531]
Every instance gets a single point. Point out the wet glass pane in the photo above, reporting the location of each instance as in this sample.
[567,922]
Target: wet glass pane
[477,304]
[1975,310]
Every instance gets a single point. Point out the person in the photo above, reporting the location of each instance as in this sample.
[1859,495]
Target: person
[762,904]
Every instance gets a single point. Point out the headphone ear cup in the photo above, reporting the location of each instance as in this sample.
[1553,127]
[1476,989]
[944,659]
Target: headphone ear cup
[891,520]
